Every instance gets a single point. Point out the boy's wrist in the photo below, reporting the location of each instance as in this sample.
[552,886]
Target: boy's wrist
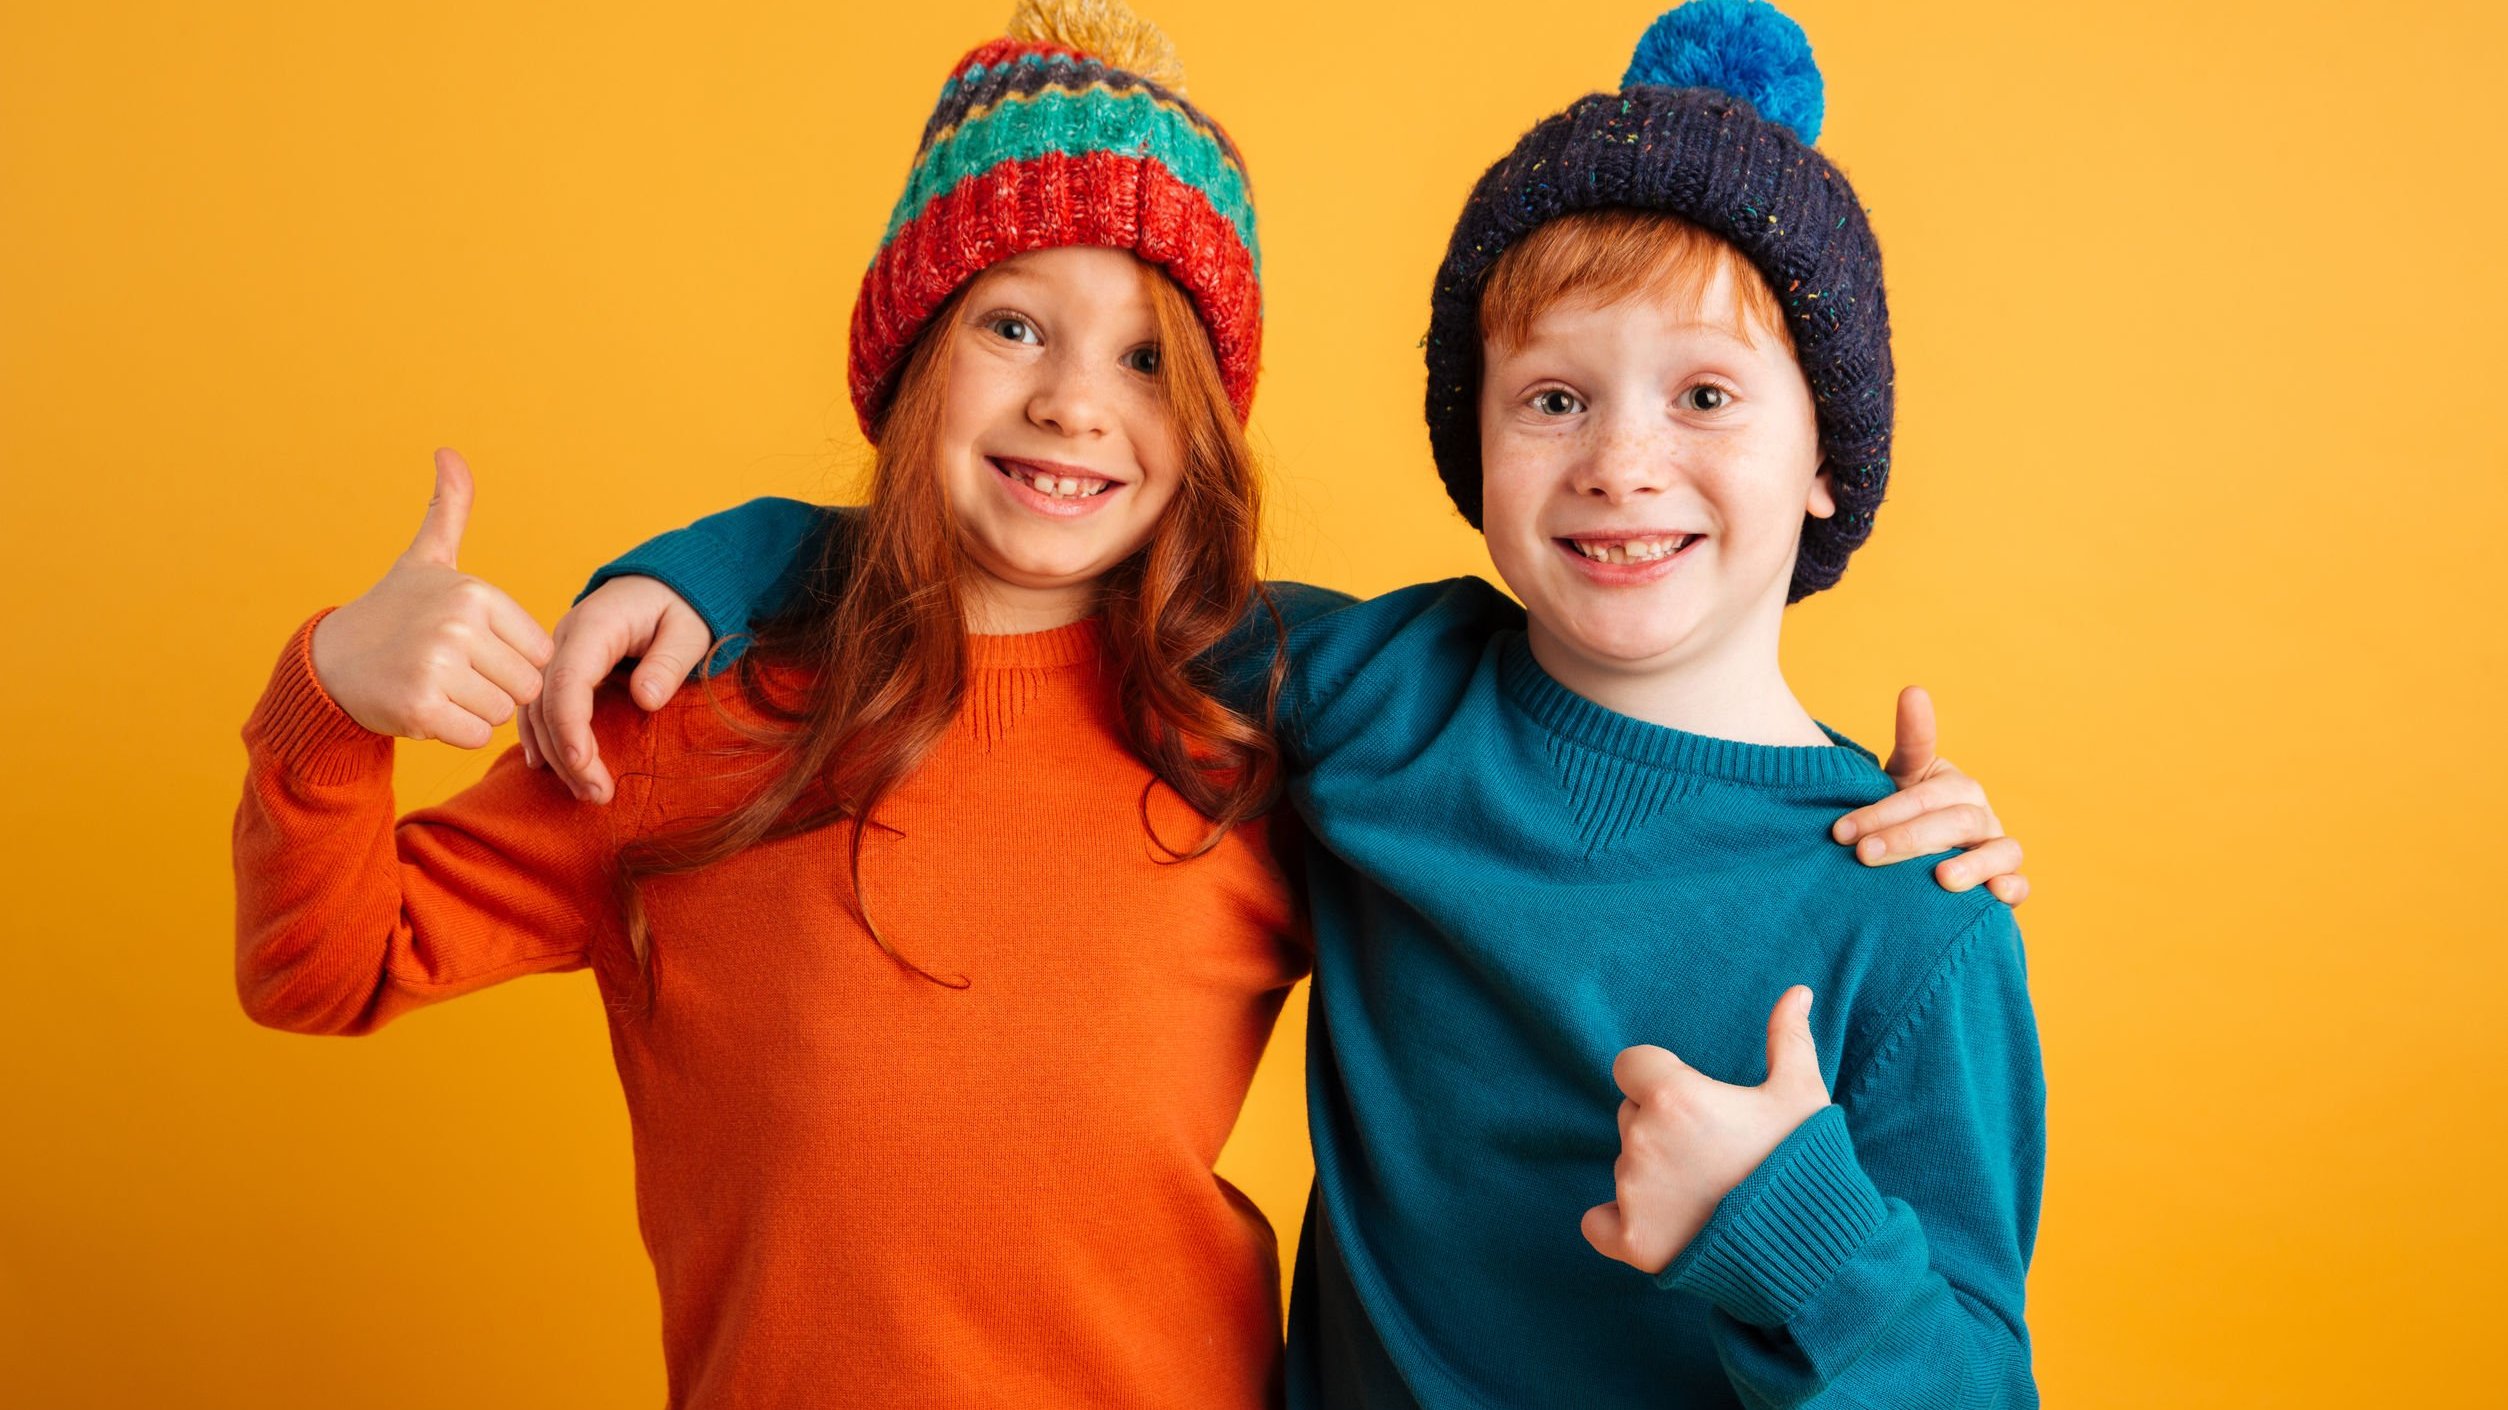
[1780,1235]
[702,570]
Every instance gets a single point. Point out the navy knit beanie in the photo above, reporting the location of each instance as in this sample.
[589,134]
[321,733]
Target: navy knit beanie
[1713,123]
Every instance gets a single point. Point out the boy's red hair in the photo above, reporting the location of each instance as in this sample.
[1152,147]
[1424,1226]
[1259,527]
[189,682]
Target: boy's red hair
[1602,257]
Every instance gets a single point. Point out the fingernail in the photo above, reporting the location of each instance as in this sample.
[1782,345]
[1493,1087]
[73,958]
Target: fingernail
[1844,831]
[1871,849]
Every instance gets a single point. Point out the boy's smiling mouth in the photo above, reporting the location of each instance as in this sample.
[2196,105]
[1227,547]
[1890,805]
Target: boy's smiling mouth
[1633,549]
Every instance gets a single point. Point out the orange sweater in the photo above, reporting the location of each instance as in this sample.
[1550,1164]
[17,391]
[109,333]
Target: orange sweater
[858,1187]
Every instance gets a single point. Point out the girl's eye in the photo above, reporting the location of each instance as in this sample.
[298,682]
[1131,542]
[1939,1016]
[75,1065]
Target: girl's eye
[1143,360]
[1557,402]
[1012,327]
[1706,396]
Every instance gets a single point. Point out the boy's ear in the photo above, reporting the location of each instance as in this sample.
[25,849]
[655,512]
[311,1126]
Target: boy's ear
[1822,502]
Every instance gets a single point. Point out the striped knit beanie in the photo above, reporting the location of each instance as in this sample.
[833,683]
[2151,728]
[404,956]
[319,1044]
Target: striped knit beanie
[1070,130]
[1713,123]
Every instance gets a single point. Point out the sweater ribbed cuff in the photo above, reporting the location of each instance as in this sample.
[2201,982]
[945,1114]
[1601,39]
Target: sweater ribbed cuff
[705,571]
[297,723]
[1782,1233]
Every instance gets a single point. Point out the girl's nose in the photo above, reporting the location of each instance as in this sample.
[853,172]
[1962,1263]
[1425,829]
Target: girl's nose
[1069,399]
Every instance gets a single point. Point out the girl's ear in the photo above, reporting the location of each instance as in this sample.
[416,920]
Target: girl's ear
[1822,501]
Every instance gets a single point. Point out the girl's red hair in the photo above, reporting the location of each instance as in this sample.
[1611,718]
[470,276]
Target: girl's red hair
[879,634]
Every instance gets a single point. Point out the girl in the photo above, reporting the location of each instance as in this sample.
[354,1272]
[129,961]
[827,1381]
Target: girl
[924,1111]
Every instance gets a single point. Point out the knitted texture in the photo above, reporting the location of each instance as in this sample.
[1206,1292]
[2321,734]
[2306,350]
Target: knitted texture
[1706,154]
[1509,884]
[1037,142]
[1748,48]
[857,1187]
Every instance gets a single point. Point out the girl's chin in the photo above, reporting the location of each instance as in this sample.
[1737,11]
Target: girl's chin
[1043,572]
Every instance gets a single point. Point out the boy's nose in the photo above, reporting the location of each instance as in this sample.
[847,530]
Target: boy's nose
[1625,467]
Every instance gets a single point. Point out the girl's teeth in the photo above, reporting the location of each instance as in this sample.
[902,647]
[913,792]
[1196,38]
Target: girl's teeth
[1062,486]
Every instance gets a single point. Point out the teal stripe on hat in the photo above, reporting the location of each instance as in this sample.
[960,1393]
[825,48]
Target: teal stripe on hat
[1076,124]
[1072,73]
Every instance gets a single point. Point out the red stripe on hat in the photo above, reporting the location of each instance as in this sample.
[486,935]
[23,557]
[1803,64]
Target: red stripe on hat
[1112,199]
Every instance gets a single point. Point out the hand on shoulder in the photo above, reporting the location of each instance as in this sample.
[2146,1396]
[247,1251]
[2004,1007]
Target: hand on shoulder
[626,616]
[1936,808]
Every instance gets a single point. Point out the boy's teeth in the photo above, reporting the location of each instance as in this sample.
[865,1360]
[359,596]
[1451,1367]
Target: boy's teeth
[1631,550]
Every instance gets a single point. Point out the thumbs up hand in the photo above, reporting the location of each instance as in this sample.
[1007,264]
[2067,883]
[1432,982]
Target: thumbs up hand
[1686,1139]
[431,652]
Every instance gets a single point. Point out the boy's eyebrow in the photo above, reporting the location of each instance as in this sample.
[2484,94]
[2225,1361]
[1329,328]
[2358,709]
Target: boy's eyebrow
[1720,332]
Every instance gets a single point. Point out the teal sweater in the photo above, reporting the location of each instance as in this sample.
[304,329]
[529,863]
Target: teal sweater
[1509,884]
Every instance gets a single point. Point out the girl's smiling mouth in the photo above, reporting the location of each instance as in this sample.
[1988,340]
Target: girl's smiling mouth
[1047,487]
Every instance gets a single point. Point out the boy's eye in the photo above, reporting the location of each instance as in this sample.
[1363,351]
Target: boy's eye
[1143,360]
[1706,397]
[1557,402]
[1012,327]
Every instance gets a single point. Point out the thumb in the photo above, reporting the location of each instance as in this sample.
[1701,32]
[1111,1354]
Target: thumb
[1792,1056]
[1911,755]
[679,643]
[448,513]
[1604,1229]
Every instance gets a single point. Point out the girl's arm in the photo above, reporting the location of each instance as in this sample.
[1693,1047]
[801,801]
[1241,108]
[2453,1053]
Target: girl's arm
[345,918]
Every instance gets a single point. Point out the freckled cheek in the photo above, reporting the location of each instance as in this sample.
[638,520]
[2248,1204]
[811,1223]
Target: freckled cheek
[1157,453]
[1520,475]
[1760,505]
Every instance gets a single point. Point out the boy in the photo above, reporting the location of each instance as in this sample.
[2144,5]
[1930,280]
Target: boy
[1566,854]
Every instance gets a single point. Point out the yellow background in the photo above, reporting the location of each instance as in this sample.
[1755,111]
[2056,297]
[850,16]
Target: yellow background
[2196,533]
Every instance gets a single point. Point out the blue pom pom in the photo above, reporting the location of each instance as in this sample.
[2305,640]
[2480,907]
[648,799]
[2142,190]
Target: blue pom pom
[1747,48]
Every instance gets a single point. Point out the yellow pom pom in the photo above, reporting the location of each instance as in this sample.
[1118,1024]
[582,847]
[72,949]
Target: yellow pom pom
[1104,29]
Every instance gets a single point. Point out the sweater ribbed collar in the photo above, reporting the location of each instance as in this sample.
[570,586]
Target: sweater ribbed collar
[1054,647]
[1574,718]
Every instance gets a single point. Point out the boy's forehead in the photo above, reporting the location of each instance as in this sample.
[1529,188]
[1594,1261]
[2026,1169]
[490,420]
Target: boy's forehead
[1684,311]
